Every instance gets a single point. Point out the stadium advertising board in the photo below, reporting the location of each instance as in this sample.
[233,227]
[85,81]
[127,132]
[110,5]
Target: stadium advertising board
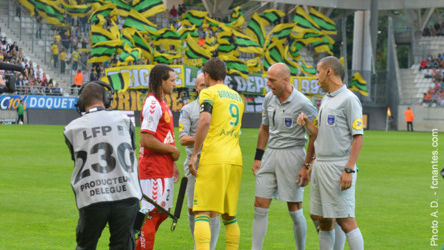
[133,99]
[11,102]
[186,77]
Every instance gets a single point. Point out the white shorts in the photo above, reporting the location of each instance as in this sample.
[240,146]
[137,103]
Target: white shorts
[161,190]
[326,197]
[278,173]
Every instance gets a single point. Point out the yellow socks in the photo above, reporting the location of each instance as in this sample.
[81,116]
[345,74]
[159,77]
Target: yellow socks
[202,232]
[232,234]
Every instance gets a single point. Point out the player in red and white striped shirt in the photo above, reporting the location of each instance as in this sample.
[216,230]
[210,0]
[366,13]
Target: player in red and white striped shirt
[157,168]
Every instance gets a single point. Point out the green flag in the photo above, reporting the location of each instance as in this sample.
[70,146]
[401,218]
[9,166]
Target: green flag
[194,17]
[139,22]
[255,29]
[326,25]
[149,8]
[271,16]
[358,84]
[307,69]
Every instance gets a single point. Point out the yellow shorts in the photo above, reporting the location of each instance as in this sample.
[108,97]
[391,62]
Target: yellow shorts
[217,188]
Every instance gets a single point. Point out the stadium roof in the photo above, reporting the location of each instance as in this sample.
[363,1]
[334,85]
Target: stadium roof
[365,4]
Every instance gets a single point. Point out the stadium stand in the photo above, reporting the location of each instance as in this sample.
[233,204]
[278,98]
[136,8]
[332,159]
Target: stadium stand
[36,37]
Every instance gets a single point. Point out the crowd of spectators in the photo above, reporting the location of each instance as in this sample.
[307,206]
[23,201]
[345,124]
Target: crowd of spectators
[35,81]
[437,29]
[432,62]
[434,67]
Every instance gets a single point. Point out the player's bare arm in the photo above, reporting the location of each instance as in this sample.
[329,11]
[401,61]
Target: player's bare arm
[262,140]
[148,140]
[347,178]
[176,173]
[201,133]
[186,140]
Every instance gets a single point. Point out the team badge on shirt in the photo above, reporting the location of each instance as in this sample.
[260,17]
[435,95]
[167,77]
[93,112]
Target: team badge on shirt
[358,124]
[288,122]
[331,120]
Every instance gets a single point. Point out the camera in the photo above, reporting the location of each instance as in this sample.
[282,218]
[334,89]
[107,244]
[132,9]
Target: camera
[9,86]
[9,79]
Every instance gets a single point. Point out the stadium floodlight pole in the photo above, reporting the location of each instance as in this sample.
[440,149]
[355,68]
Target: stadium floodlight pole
[179,202]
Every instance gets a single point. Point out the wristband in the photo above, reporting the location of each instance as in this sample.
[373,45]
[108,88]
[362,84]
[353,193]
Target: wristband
[259,154]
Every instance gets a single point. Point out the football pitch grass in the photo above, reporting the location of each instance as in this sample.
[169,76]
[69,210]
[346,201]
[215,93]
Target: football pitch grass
[393,194]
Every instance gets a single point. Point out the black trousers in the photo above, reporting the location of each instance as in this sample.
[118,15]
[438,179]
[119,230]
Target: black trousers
[119,215]
[62,66]
[20,118]
[410,126]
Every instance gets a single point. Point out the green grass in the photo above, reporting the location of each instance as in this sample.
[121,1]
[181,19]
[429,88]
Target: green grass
[38,211]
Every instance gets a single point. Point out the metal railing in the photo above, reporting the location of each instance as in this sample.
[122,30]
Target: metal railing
[39,90]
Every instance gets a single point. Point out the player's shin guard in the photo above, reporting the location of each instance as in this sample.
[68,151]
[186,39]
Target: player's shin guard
[148,232]
[299,228]
[232,234]
[202,232]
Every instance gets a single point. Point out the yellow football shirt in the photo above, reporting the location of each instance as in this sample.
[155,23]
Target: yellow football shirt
[222,142]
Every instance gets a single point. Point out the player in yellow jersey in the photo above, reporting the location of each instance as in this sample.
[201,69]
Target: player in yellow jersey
[220,168]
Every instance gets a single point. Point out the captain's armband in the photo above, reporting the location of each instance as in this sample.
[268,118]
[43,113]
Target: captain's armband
[206,107]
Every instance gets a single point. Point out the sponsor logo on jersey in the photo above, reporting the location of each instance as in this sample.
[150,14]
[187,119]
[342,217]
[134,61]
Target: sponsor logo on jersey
[331,120]
[169,138]
[358,124]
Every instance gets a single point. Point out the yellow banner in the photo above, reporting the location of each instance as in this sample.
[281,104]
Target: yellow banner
[133,99]
[140,75]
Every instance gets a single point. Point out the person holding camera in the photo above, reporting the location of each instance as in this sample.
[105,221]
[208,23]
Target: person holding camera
[105,177]
[3,87]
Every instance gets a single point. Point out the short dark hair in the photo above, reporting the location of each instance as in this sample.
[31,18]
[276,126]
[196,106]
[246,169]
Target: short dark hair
[91,93]
[216,68]
[158,73]
[335,64]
